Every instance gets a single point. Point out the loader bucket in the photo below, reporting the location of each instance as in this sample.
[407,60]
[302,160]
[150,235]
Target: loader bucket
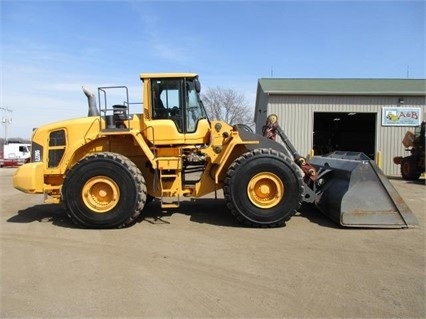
[354,192]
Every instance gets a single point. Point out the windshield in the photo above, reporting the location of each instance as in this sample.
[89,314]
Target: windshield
[195,109]
[178,100]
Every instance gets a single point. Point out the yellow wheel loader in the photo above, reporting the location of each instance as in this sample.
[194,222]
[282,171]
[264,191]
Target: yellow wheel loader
[106,166]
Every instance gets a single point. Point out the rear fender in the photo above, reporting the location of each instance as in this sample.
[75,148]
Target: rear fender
[128,144]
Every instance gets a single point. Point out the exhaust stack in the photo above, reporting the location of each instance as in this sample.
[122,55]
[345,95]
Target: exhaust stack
[93,109]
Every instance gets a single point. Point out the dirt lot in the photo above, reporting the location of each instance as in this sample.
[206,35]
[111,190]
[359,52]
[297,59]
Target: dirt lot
[196,262]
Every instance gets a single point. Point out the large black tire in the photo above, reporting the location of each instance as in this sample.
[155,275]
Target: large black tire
[409,168]
[104,190]
[263,188]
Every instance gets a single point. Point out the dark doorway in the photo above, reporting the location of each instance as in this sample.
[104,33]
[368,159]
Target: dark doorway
[344,132]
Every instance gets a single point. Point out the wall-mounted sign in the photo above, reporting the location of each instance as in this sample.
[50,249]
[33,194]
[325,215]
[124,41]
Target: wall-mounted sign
[401,116]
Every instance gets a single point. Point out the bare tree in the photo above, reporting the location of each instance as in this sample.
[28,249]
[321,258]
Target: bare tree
[227,105]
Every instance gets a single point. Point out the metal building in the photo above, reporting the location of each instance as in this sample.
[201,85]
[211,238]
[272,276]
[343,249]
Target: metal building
[364,115]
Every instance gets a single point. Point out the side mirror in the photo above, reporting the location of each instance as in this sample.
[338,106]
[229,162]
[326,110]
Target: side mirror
[197,85]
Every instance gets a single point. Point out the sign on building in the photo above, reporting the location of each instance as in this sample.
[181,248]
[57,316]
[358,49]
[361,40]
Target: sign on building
[401,116]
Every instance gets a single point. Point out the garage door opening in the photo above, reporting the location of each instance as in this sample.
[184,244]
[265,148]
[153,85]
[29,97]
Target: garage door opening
[344,132]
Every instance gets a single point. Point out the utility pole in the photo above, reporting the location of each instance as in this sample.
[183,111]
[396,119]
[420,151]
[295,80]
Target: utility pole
[6,120]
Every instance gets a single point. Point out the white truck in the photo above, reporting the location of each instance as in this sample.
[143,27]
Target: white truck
[18,153]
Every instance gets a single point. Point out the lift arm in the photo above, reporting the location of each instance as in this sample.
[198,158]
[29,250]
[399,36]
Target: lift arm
[271,129]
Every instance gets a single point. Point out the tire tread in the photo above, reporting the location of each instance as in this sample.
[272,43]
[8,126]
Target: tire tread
[134,171]
[229,180]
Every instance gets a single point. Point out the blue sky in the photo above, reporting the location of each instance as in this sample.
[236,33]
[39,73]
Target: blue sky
[49,49]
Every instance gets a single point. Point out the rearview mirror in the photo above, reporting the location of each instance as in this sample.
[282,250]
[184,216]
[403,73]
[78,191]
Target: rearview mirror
[197,85]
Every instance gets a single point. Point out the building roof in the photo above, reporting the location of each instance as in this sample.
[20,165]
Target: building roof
[343,86]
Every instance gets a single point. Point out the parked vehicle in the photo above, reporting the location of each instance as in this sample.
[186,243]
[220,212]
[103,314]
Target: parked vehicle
[413,165]
[16,153]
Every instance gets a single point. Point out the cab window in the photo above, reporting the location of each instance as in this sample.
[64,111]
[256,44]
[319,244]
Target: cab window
[179,101]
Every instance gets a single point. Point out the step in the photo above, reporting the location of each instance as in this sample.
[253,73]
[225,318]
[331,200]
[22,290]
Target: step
[169,175]
[170,205]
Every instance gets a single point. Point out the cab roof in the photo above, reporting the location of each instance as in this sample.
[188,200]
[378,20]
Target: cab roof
[167,75]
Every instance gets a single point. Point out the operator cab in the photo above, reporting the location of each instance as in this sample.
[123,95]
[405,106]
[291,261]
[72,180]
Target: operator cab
[174,113]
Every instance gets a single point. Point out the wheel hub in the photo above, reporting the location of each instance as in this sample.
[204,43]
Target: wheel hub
[265,190]
[100,194]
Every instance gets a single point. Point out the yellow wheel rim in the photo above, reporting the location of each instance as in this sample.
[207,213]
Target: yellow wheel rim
[265,190]
[100,194]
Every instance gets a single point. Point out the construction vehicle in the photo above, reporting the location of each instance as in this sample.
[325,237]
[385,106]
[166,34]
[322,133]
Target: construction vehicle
[413,165]
[107,166]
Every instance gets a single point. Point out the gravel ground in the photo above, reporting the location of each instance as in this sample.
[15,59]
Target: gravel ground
[197,262]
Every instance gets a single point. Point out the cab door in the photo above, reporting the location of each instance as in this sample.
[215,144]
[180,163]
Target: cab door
[175,115]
